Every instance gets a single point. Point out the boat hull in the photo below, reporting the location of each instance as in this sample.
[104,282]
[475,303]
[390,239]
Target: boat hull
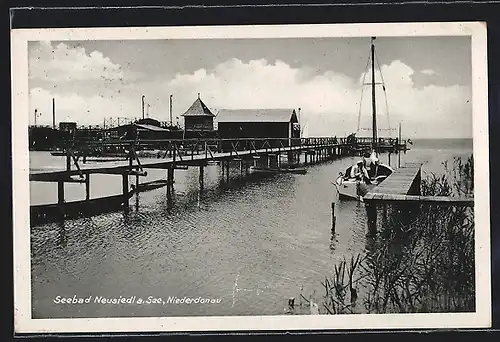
[349,190]
[352,189]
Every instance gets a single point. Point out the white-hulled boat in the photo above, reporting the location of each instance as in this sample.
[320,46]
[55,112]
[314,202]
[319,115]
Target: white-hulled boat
[350,187]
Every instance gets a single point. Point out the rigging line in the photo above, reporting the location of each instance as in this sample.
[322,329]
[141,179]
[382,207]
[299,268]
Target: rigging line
[362,90]
[385,94]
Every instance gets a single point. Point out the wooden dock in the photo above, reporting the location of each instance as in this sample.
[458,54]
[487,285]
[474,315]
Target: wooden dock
[403,186]
[263,153]
[403,181]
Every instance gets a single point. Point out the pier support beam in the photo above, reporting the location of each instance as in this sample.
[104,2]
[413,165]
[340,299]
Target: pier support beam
[68,159]
[87,186]
[170,179]
[273,161]
[201,178]
[247,167]
[371,214]
[60,192]
[125,189]
[334,219]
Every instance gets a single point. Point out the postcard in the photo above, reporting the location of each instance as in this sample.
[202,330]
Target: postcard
[237,178]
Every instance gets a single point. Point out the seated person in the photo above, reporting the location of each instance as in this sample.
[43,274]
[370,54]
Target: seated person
[359,172]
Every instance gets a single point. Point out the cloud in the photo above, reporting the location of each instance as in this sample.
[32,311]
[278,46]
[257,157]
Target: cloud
[330,102]
[61,63]
[428,72]
[84,110]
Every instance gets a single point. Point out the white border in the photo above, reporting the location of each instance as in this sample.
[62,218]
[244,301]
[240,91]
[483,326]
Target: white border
[22,281]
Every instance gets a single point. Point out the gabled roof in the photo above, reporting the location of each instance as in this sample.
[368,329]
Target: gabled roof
[198,108]
[257,115]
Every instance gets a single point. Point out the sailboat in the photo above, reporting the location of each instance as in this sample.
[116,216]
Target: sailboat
[367,173]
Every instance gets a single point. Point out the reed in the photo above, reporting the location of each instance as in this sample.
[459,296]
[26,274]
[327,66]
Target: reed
[420,264]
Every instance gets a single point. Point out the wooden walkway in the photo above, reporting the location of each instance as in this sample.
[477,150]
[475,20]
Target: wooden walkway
[163,163]
[403,186]
[403,181]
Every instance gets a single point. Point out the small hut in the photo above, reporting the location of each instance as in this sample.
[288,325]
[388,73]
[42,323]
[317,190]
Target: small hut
[198,118]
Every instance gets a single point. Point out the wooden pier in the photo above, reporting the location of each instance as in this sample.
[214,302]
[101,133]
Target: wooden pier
[403,186]
[401,190]
[403,181]
[261,154]
[174,155]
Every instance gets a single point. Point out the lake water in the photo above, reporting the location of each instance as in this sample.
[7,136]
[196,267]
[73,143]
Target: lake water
[251,243]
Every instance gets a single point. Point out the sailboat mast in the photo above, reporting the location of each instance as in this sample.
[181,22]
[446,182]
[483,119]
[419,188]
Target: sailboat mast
[374,106]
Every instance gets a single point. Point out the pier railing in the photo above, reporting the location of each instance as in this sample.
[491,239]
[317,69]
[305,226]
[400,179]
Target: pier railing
[187,146]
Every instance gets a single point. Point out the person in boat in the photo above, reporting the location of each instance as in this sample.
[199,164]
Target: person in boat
[360,172]
[371,164]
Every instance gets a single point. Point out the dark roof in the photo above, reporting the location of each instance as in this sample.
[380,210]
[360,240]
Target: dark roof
[148,121]
[151,128]
[256,115]
[198,108]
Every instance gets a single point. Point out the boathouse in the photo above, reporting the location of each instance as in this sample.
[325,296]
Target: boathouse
[258,123]
[198,119]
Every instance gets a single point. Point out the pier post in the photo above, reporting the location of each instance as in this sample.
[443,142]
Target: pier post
[87,186]
[170,179]
[201,181]
[334,219]
[125,189]
[227,170]
[371,214]
[68,159]
[60,191]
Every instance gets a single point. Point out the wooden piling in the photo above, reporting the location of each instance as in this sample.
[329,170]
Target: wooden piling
[60,191]
[68,159]
[201,180]
[125,189]
[87,186]
[334,219]
[371,214]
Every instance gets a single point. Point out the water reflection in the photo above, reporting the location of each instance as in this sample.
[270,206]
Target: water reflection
[333,242]
[137,202]
[62,237]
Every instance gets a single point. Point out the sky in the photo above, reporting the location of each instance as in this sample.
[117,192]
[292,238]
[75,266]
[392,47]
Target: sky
[427,81]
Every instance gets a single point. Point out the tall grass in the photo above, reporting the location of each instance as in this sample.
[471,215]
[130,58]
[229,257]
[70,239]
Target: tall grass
[422,262]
